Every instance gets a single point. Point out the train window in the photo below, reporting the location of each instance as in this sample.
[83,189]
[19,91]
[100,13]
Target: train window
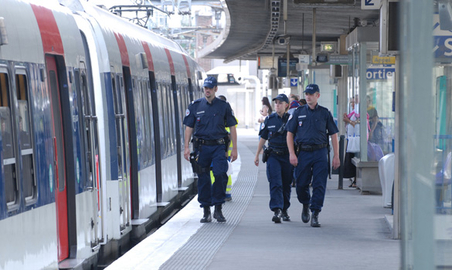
[87,119]
[58,130]
[182,99]
[170,113]
[163,120]
[151,123]
[173,117]
[146,118]
[120,126]
[10,184]
[144,129]
[29,182]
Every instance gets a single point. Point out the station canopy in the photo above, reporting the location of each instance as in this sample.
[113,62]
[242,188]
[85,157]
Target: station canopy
[255,25]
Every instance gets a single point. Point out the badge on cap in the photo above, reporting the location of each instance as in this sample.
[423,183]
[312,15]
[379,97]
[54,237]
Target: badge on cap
[187,112]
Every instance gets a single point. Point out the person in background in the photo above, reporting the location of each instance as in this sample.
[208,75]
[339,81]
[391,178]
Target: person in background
[377,133]
[294,103]
[279,173]
[265,111]
[229,185]
[351,121]
[312,124]
[206,119]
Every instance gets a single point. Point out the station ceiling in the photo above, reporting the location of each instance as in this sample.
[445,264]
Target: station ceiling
[251,34]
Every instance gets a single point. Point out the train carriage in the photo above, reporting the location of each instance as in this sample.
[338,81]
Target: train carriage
[91,109]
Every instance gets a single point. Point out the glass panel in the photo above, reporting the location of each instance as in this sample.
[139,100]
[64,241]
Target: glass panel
[151,125]
[87,119]
[29,184]
[58,129]
[170,113]
[11,189]
[163,120]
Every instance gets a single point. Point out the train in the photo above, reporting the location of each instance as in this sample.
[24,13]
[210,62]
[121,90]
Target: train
[91,141]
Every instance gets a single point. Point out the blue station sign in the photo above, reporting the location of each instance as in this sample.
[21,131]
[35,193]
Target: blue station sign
[442,46]
[379,73]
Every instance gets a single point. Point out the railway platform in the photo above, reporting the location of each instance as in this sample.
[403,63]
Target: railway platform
[355,233]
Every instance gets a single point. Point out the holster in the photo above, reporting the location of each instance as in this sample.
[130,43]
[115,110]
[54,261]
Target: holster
[194,163]
[228,140]
[266,154]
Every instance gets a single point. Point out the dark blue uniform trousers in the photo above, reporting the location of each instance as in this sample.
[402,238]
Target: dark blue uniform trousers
[209,194]
[312,165]
[279,175]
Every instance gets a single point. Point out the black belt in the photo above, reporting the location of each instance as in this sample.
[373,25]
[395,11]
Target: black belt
[210,142]
[311,147]
[279,152]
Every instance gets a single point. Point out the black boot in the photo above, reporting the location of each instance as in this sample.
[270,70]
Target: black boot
[285,215]
[315,219]
[305,214]
[277,217]
[207,216]
[218,215]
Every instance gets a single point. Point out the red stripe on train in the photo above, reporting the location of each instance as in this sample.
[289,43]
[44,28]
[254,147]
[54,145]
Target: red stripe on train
[50,34]
[187,66]
[171,64]
[148,55]
[123,50]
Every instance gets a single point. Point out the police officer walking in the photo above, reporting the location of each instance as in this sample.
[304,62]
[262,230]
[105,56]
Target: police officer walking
[279,170]
[312,124]
[208,117]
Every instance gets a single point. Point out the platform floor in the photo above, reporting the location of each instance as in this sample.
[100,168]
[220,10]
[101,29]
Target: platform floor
[354,234]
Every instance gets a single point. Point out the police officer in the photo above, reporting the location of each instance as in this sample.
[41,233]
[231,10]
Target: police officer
[230,147]
[312,124]
[208,117]
[279,170]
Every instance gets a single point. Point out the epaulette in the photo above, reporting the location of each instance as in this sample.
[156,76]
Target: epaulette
[272,115]
[323,108]
[220,99]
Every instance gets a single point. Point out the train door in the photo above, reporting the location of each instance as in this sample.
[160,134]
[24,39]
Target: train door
[156,110]
[177,120]
[128,88]
[91,150]
[59,169]
[120,121]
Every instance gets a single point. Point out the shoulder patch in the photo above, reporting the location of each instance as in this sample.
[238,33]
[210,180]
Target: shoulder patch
[187,112]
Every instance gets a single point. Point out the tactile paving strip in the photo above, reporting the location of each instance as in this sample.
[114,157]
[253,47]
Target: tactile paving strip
[202,246]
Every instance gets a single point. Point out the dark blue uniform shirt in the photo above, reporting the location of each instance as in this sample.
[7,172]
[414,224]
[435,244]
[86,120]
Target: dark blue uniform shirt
[270,131]
[312,127]
[209,119]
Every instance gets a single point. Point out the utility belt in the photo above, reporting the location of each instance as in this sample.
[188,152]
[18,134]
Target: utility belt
[310,147]
[279,151]
[276,151]
[198,142]
[194,156]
